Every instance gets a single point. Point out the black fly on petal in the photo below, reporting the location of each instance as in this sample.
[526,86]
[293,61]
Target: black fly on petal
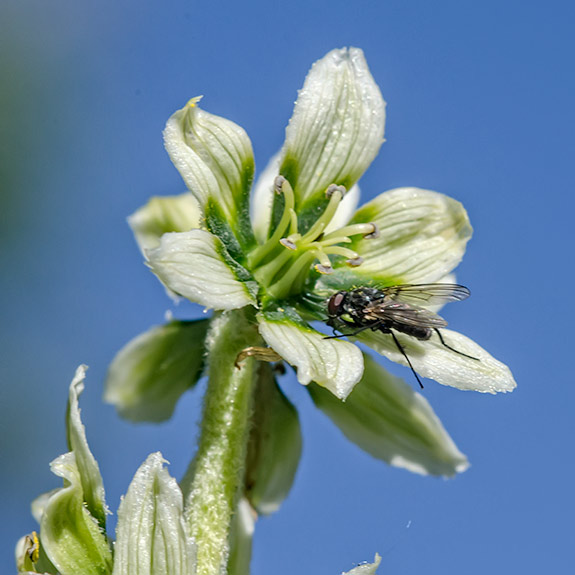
[394,308]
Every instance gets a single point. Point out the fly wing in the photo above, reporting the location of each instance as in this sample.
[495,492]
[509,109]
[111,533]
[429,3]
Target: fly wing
[426,294]
[406,314]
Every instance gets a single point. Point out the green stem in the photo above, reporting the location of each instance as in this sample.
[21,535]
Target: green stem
[216,476]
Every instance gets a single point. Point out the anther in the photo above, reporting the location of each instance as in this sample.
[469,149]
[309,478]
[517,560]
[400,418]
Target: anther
[354,262]
[323,269]
[278,183]
[374,234]
[287,243]
[334,188]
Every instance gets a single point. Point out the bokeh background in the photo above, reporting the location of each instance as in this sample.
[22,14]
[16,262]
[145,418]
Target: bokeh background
[480,106]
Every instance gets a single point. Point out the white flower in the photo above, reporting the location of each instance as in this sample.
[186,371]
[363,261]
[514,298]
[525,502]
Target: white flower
[305,241]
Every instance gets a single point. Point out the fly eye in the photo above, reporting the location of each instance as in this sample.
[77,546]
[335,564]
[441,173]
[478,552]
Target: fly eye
[335,304]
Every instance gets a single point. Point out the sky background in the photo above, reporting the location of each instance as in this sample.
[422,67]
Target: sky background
[480,107]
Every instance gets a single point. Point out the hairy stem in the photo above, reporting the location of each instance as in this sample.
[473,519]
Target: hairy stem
[214,479]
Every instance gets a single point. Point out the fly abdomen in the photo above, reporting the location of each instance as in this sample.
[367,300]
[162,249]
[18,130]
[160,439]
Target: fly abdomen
[422,333]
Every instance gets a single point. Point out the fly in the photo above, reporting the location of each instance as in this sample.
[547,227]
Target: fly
[394,308]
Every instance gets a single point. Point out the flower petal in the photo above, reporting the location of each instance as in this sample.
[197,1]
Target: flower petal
[336,128]
[274,447]
[433,360]
[390,421]
[70,535]
[366,568]
[148,376]
[162,215]
[332,363]
[152,538]
[262,199]
[88,470]
[196,265]
[423,235]
[214,157]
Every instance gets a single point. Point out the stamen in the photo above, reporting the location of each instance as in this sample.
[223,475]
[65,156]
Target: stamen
[278,184]
[374,234]
[323,269]
[355,229]
[281,185]
[320,224]
[322,257]
[293,222]
[335,188]
[294,238]
[354,262]
[341,251]
[333,241]
[287,243]
[294,278]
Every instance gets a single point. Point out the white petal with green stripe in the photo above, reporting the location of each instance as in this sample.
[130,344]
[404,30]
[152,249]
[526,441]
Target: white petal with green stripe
[149,374]
[274,447]
[214,157]
[337,125]
[386,418]
[366,568]
[151,537]
[423,235]
[69,534]
[196,265]
[88,469]
[162,215]
[332,363]
[262,199]
[433,360]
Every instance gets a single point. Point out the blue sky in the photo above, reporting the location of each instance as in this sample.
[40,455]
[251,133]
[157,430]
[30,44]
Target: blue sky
[480,107]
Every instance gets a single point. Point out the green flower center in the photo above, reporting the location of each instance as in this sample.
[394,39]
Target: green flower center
[282,264]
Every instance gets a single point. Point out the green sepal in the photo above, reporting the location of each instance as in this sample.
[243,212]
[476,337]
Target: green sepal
[148,375]
[386,418]
[275,444]
[70,535]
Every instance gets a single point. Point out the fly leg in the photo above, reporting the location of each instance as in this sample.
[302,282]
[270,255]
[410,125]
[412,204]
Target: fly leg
[452,348]
[400,347]
[363,328]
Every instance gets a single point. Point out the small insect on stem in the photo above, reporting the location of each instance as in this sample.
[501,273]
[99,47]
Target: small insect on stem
[394,309]
[259,353]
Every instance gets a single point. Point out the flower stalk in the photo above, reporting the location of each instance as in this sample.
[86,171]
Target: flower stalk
[218,469]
